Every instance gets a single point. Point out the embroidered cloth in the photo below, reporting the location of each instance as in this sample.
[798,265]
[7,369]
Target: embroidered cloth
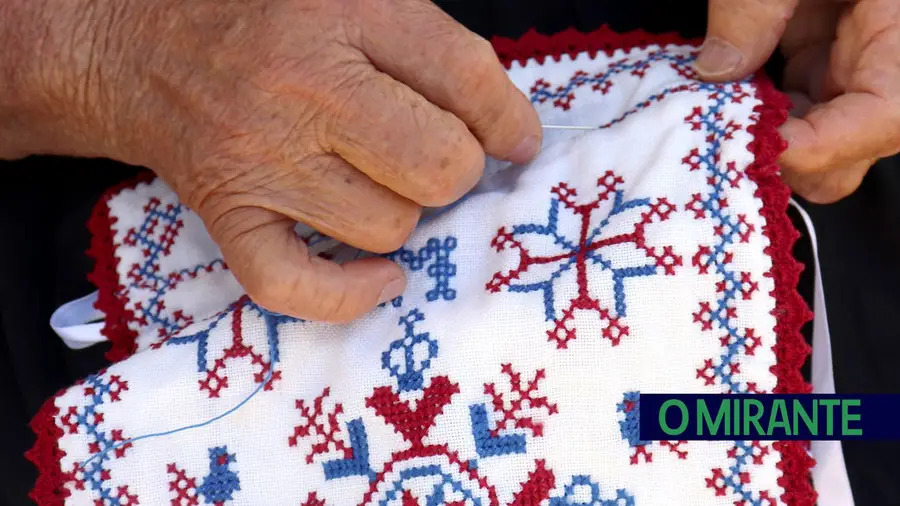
[651,254]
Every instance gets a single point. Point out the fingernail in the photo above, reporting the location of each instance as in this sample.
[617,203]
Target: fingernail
[526,150]
[717,58]
[392,290]
[785,135]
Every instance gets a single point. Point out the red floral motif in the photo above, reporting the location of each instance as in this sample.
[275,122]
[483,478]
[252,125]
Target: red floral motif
[324,426]
[511,410]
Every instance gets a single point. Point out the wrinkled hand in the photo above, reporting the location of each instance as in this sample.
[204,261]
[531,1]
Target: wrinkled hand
[843,74]
[346,115]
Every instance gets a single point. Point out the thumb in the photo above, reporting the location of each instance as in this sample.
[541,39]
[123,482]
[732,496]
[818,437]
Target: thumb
[274,266]
[740,36]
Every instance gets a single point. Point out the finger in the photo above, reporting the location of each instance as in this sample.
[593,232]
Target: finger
[402,141]
[801,104]
[274,267]
[814,23]
[328,194]
[808,72]
[418,44]
[840,133]
[740,36]
[827,187]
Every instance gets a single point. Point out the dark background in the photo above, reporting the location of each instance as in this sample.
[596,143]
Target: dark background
[46,201]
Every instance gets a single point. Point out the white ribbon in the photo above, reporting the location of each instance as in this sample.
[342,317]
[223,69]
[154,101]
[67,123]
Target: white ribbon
[830,472]
[78,323]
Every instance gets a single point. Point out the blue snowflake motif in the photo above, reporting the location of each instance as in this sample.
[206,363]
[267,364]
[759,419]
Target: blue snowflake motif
[585,252]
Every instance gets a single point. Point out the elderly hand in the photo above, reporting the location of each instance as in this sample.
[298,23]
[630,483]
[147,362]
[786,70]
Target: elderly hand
[346,115]
[843,73]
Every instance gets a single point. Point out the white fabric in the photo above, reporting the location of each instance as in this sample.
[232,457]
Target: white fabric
[417,402]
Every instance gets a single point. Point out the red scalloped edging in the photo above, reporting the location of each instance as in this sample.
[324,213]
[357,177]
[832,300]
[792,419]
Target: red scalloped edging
[534,45]
[791,311]
[105,276]
[49,489]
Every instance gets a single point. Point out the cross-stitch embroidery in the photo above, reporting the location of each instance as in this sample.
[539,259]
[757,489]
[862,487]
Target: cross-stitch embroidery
[517,410]
[629,424]
[715,259]
[583,249]
[101,389]
[155,236]
[434,257]
[601,81]
[728,228]
[215,378]
[435,470]
[216,488]
[433,400]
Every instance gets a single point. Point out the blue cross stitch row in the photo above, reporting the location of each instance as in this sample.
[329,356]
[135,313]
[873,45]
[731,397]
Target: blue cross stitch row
[156,236]
[100,442]
[563,95]
[729,228]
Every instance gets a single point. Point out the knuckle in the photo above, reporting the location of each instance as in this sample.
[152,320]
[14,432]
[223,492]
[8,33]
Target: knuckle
[272,296]
[495,120]
[241,234]
[212,192]
[314,173]
[481,67]
[340,103]
[272,290]
[833,187]
[824,196]
[819,161]
[393,233]
[232,225]
[325,296]
[288,294]
[452,176]
[780,8]
[438,192]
